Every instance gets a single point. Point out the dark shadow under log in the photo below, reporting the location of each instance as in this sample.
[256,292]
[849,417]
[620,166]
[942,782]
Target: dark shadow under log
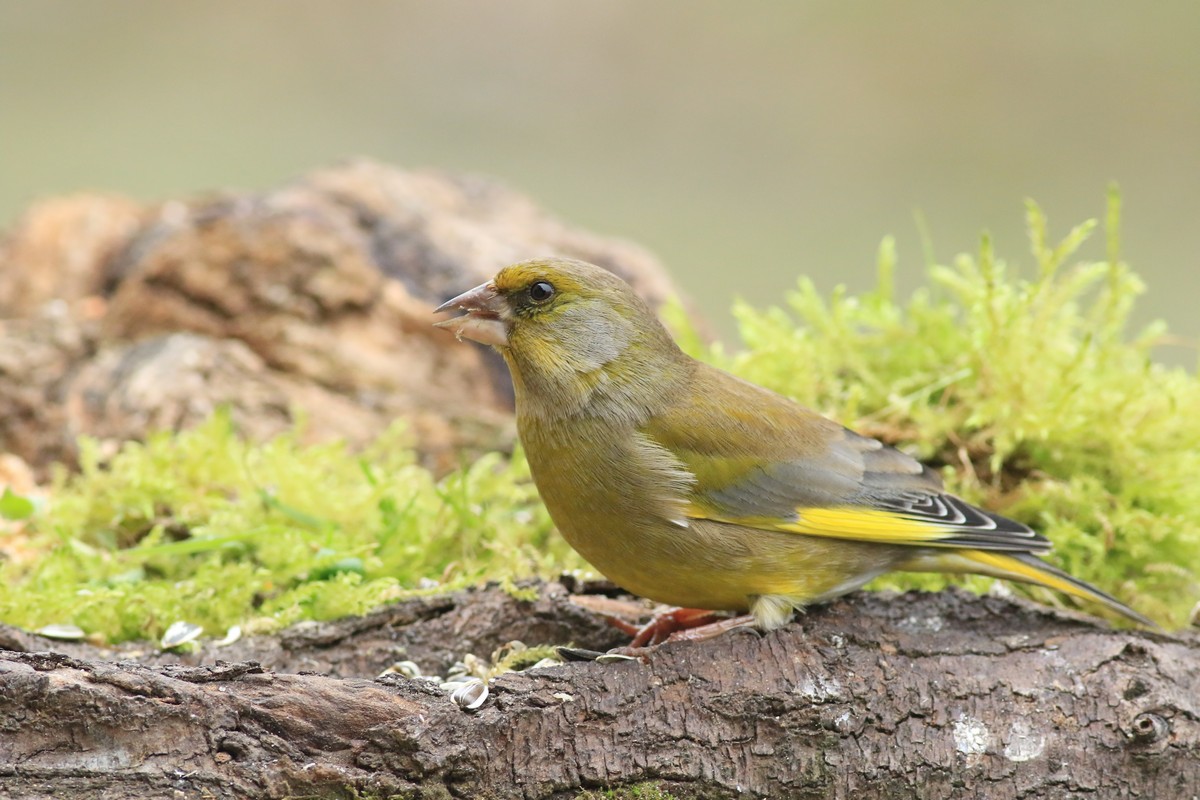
[910,696]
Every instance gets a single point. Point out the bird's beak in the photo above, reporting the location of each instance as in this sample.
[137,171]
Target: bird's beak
[486,320]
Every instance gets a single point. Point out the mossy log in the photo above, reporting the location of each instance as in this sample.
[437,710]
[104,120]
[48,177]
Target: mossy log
[877,695]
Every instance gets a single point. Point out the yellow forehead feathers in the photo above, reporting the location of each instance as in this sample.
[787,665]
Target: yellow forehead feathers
[520,276]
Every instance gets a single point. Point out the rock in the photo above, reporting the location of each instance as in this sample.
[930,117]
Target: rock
[37,355]
[170,382]
[55,249]
[312,298]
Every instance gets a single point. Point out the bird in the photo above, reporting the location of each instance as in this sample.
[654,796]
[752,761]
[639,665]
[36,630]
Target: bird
[688,486]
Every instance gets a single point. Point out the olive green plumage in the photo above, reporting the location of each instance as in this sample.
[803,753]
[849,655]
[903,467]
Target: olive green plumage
[689,486]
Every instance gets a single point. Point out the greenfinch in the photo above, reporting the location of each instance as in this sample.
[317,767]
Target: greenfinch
[691,487]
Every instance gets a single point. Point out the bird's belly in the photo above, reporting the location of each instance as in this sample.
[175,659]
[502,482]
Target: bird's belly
[602,497]
[725,567]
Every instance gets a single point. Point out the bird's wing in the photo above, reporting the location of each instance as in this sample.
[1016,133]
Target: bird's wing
[762,461]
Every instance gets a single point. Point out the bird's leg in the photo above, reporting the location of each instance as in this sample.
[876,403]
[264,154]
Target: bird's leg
[684,625]
[678,624]
[706,631]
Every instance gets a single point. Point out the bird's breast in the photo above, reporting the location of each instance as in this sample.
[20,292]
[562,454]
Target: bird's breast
[617,498]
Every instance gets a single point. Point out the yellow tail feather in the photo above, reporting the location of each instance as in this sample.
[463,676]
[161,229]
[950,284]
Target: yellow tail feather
[1023,568]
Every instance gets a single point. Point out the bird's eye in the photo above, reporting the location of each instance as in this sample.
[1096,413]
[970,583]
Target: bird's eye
[541,291]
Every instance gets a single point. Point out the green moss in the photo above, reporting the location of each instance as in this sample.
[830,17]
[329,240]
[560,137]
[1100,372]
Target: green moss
[14,506]
[1029,392]
[205,527]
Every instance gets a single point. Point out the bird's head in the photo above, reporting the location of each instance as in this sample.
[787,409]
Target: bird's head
[569,330]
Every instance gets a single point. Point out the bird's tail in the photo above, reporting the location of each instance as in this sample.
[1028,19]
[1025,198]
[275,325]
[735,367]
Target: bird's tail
[1024,568]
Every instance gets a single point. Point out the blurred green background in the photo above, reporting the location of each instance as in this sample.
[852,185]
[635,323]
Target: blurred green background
[744,143]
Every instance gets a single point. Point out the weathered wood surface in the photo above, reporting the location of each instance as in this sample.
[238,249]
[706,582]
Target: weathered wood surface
[912,696]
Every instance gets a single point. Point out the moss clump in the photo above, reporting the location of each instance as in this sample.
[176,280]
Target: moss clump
[204,527]
[1028,391]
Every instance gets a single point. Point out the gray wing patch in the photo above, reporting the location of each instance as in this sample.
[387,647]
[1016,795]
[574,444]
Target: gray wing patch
[861,472]
[887,471]
[853,471]
[780,489]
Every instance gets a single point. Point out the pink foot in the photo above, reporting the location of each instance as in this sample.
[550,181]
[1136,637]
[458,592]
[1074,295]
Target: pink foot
[679,625]
[701,632]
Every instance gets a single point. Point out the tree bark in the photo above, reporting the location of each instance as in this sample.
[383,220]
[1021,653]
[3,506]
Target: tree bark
[877,695]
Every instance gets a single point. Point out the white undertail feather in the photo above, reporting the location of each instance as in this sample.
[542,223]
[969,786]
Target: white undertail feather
[772,611]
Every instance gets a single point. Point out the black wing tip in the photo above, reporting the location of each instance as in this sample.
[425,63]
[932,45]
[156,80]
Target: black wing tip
[996,545]
[971,526]
[1004,534]
[1002,523]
